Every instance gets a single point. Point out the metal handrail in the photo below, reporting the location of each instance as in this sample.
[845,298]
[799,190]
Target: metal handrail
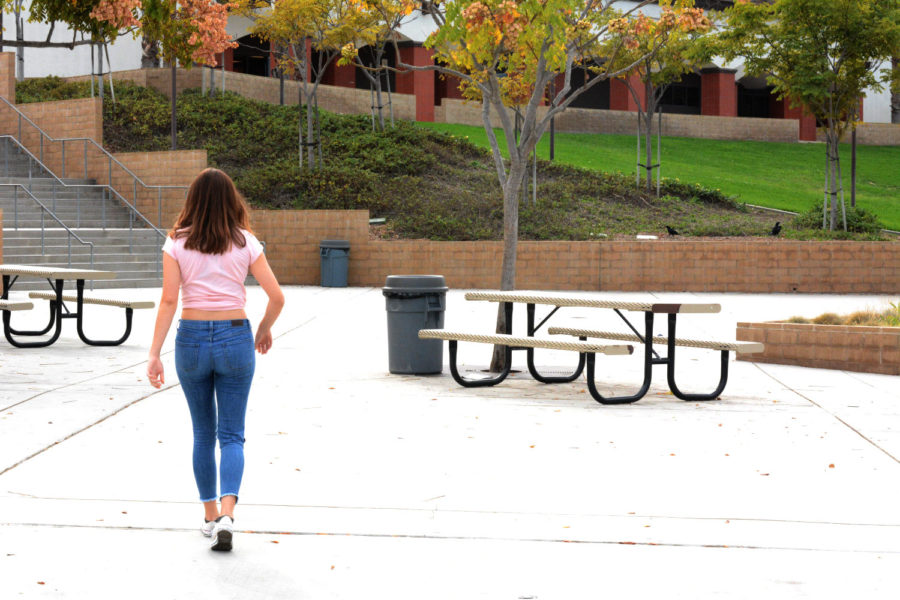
[112,159]
[44,209]
[112,190]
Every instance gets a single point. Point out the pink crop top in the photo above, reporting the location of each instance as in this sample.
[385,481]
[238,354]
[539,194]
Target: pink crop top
[214,281]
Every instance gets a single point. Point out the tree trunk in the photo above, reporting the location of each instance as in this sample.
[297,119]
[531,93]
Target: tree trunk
[832,177]
[20,51]
[311,155]
[648,133]
[511,191]
[853,168]
[378,101]
[895,98]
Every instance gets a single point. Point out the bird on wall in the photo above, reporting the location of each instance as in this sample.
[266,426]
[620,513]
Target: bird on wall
[777,229]
[671,231]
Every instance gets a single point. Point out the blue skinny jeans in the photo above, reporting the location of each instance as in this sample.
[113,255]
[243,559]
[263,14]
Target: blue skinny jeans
[215,361]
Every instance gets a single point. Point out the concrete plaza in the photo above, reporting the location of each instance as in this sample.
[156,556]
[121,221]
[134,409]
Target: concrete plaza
[361,484]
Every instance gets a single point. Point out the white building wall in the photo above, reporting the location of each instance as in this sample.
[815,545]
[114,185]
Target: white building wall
[40,62]
[877,105]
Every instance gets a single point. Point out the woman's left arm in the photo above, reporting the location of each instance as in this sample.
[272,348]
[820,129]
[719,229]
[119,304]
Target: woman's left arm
[168,303]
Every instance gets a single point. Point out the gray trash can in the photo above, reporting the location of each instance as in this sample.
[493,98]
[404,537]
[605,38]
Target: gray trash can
[414,302]
[335,259]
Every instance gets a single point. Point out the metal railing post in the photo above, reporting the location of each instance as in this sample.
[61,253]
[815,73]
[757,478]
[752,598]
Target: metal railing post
[6,157]
[64,159]
[20,127]
[42,232]
[16,207]
[103,207]
[85,158]
[110,172]
[78,206]
[41,155]
[69,238]
[159,207]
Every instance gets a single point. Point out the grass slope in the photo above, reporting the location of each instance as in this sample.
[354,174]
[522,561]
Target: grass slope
[776,175]
[426,183]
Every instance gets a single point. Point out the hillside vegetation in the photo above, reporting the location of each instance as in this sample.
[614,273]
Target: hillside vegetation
[425,183]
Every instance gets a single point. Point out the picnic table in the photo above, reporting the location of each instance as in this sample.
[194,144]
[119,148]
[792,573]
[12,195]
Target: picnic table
[56,277]
[646,339]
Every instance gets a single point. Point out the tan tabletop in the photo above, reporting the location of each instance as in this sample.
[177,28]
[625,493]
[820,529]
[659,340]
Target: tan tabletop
[557,299]
[49,272]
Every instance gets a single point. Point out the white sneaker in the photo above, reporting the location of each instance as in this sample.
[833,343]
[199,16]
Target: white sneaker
[207,528]
[222,534]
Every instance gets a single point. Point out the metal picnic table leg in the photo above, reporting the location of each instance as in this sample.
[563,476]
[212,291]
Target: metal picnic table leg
[454,371]
[649,361]
[79,284]
[50,322]
[530,354]
[670,370]
[55,317]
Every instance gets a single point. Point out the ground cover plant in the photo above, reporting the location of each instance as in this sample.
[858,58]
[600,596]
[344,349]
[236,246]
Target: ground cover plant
[889,317]
[427,184]
[775,175]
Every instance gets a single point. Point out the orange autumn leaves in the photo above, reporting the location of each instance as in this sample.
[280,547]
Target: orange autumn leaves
[519,41]
[190,30]
[643,31]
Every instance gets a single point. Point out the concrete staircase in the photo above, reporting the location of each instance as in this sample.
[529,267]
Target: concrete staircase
[121,241]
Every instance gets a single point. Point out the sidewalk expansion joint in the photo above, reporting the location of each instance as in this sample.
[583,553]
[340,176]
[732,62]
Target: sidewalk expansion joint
[468,538]
[833,415]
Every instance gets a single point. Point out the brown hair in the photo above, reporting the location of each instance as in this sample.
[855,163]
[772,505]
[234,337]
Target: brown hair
[214,213]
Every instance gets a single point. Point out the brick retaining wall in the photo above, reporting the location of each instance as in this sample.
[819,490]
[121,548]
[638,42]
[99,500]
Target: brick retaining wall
[574,120]
[621,122]
[755,266]
[852,348]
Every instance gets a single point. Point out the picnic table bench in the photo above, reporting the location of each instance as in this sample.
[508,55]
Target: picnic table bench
[511,342]
[56,277]
[9,305]
[650,358]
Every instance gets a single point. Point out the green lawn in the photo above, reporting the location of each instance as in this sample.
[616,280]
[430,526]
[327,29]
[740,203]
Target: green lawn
[785,176]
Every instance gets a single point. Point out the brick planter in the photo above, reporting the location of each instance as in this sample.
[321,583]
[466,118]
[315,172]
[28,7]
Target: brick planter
[845,347]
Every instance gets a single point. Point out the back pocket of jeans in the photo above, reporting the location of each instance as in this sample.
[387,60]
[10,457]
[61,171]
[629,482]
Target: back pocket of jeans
[239,354]
[187,356]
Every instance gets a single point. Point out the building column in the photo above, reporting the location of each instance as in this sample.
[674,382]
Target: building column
[422,83]
[718,92]
[620,97]
[807,121]
[8,76]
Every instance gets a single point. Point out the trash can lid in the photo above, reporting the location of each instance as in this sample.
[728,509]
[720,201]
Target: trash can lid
[343,244]
[414,285]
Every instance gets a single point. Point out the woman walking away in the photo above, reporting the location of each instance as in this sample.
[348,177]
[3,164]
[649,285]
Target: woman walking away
[207,255]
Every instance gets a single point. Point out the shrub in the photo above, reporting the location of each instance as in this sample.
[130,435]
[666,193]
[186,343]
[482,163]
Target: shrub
[46,89]
[859,220]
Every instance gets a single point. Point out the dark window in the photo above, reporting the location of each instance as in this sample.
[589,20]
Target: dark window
[367,56]
[596,97]
[754,102]
[683,97]
[251,56]
[713,4]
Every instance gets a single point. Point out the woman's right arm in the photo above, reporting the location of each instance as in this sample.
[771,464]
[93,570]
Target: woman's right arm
[263,274]
[168,303]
